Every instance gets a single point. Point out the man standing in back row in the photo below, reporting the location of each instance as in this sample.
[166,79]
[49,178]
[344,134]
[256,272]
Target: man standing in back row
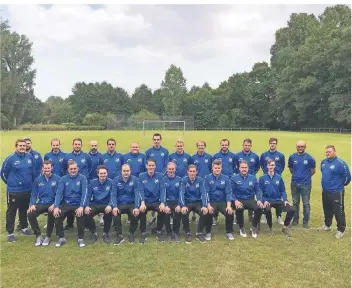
[335,175]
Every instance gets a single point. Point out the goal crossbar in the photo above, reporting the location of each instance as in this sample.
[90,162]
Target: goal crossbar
[164,121]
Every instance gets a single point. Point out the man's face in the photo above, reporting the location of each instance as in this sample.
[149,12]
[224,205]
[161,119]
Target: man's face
[200,147]
[273,145]
[47,169]
[126,171]
[111,146]
[77,146]
[73,169]
[55,146]
[21,147]
[300,148]
[151,167]
[171,170]
[247,146]
[179,148]
[243,169]
[217,170]
[330,153]
[224,146]
[156,141]
[134,148]
[102,174]
[93,146]
[28,145]
[192,172]
[271,166]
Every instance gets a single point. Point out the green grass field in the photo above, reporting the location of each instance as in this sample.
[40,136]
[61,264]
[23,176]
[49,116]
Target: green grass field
[308,259]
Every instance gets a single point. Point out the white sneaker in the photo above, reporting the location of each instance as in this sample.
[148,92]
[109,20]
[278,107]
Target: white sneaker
[80,243]
[339,235]
[39,241]
[234,220]
[324,228]
[230,236]
[279,220]
[254,232]
[208,237]
[243,233]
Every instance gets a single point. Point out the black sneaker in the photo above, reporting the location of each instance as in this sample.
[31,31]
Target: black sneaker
[286,231]
[188,238]
[160,237]
[176,237]
[11,238]
[305,226]
[169,238]
[94,238]
[143,238]
[106,238]
[119,240]
[131,238]
[26,232]
[201,238]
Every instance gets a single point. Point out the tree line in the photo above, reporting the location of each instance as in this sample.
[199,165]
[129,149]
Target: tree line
[306,84]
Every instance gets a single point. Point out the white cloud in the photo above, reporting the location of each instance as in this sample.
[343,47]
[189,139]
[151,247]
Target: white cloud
[130,45]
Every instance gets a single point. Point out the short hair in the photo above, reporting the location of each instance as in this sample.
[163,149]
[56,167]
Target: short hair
[180,141]
[202,141]
[77,139]
[273,139]
[54,139]
[151,160]
[330,146]
[270,161]
[243,162]
[102,167]
[217,162]
[248,140]
[191,166]
[171,163]
[47,162]
[156,134]
[18,141]
[225,140]
[71,162]
[27,139]
[110,139]
[126,164]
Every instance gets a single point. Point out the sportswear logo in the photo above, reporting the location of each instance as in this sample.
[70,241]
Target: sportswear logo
[295,162]
[152,154]
[144,181]
[78,183]
[67,183]
[266,158]
[241,159]
[266,182]
[239,182]
[41,184]
[211,182]
[323,165]
[196,161]
[18,162]
[95,188]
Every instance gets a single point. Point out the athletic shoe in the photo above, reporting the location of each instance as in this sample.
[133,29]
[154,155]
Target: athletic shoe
[200,237]
[305,226]
[39,241]
[234,220]
[94,238]
[160,236]
[119,240]
[11,238]
[26,232]
[286,231]
[215,221]
[143,238]
[176,237]
[243,233]
[60,242]
[279,220]
[171,221]
[169,238]
[339,235]
[208,237]
[325,228]
[131,238]
[152,220]
[188,238]
[254,232]
[46,241]
[230,236]
[80,243]
[106,238]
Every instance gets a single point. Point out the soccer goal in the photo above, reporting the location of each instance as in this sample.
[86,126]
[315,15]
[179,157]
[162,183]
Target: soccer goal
[164,125]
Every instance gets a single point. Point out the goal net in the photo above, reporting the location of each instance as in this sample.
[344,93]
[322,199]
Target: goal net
[164,125]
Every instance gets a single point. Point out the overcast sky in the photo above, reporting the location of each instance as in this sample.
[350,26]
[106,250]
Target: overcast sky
[128,45]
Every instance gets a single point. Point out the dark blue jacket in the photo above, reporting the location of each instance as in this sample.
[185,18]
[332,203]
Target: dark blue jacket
[203,163]
[83,160]
[18,172]
[302,165]
[272,188]
[113,162]
[251,158]
[245,188]
[182,161]
[38,161]
[150,187]
[72,191]
[279,159]
[97,159]
[44,190]
[171,188]
[126,192]
[57,161]
[218,188]
[161,156]
[99,193]
[228,162]
[335,175]
[136,162]
[193,192]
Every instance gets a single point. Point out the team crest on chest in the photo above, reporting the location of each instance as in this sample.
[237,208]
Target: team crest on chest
[222,182]
[83,160]
[177,184]
[156,181]
[211,182]
[205,161]
[250,183]
[131,183]
[251,159]
[53,183]
[107,188]
[184,160]
[305,162]
[144,181]
[152,155]
[277,182]
[266,182]
[36,156]
[277,158]
[60,160]
[239,182]
[197,185]
[332,167]
[117,160]
[78,183]
[162,154]
[230,159]
[29,161]
[139,160]
[41,184]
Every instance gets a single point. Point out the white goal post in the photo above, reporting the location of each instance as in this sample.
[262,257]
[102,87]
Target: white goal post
[163,121]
